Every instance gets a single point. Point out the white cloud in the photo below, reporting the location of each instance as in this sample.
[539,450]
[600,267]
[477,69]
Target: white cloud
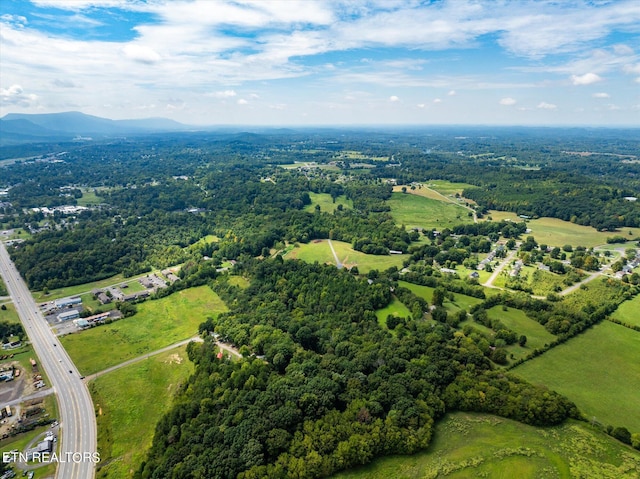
[420,105]
[586,79]
[394,98]
[242,101]
[141,54]
[508,101]
[225,94]
[437,100]
[15,95]
[452,93]
[546,106]
[601,95]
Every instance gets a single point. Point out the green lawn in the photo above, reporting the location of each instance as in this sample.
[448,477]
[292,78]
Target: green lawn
[599,370]
[320,251]
[419,211]
[89,197]
[326,202]
[9,314]
[447,187]
[158,323]
[460,301]
[629,312]
[478,445]
[126,416]
[395,308]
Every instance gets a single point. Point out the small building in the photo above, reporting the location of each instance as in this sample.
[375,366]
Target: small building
[66,302]
[474,275]
[67,315]
[103,298]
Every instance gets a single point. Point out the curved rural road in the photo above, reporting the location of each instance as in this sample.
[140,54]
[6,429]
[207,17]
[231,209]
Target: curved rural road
[78,436]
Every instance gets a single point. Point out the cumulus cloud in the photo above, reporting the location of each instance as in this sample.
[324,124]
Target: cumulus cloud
[601,95]
[15,95]
[437,100]
[586,79]
[141,54]
[508,101]
[546,106]
[394,98]
[242,101]
[452,93]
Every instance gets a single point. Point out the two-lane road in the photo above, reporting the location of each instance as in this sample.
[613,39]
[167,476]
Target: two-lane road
[77,417]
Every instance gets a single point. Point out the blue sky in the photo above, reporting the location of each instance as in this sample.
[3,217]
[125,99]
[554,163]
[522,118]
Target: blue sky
[325,62]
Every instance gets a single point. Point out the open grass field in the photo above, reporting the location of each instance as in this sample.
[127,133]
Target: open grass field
[479,445]
[394,308]
[126,417]
[321,252]
[418,211]
[599,370]
[9,314]
[460,301]
[40,297]
[555,232]
[157,324]
[89,198]
[205,240]
[629,312]
[447,187]
[326,203]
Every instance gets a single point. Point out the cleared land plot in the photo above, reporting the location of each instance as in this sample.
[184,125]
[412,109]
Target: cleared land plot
[598,370]
[157,324]
[205,240]
[40,297]
[447,187]
[126,417]
[320,251]
[460,301]
[629,312]
[394,308]
[555,232]
[478,445]
[89,198]
[9,314]
[326,202]
[420,212]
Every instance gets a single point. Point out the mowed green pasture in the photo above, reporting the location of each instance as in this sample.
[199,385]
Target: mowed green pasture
[447,187]
[394,308]
[326,203]
[478,445]
[629,312]
[555,232]
[9,314]
[158,323]
[415,211]
[125,414]
[460,301]
[599,370]
[320,251]
[89,198]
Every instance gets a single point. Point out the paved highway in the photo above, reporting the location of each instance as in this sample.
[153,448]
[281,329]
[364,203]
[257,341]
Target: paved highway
[77,418]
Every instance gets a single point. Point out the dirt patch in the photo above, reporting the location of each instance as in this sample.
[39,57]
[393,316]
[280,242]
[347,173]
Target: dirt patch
[174,358]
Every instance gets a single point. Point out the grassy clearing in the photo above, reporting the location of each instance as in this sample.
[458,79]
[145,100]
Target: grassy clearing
[204,241]
[9,314]
[394,308]
[40,297]
[418,211]
[326,202]
[320,251]
[555,232]
[447,187]
[126,418]
[598,370]
[239,281]
[157,324]
[90,198]
[460,301]
[478,445]
[629,312]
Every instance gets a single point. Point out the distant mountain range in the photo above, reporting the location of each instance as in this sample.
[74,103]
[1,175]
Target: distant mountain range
[16,128]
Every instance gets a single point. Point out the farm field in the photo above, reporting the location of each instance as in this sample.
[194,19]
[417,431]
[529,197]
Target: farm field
[469,445]
[158,323]
[420,212]
[126,417]
[326,203]
[598,370]
[629,312]
[321,252]
[555,232]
